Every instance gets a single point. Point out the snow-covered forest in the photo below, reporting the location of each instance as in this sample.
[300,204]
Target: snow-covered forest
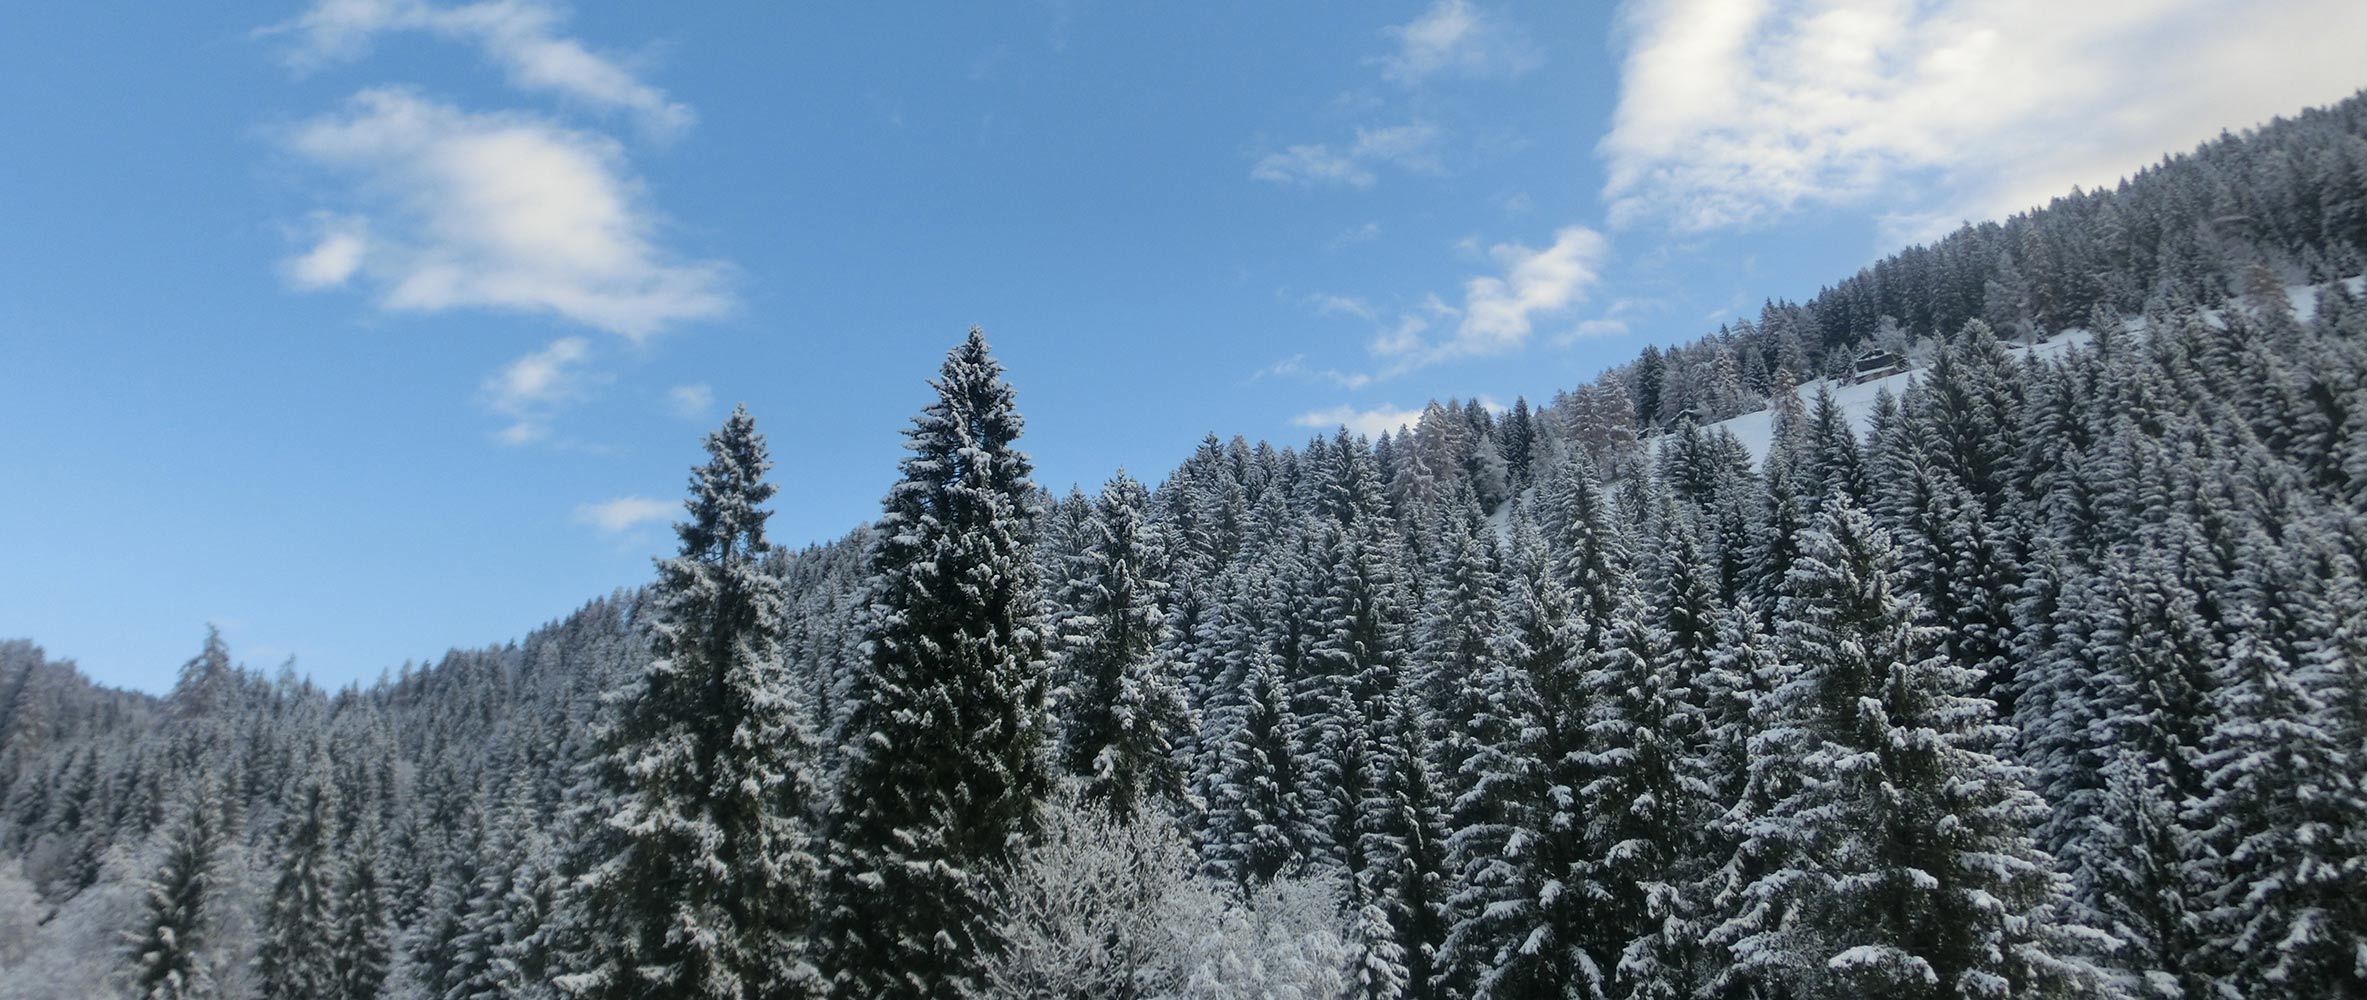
[2044,676]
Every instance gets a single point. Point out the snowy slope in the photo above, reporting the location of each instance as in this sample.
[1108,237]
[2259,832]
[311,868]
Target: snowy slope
[1756,431]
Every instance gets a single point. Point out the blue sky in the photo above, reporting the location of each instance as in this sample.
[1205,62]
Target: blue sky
[374,327]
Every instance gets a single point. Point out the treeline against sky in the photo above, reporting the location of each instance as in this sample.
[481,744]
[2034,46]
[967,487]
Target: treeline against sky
[2049,679]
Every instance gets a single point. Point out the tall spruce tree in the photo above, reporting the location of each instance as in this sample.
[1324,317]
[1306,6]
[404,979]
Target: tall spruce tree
[296,959]
[363,945]
[701,880]
[171,951]
[2284,819]
[1122,707]
[948,761]
[1517,934]
[1906,865]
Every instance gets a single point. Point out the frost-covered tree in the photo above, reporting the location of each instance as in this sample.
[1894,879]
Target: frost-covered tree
[1255,816]
[1121,705]
[948,758]
[171,951]
[1099,908]
[700,882]
[1514,932]
[1283,940]
[297,957]
[362,948]
[2285,817]
[1904,860]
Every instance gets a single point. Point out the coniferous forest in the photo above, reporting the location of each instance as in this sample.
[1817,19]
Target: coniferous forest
[2038,669]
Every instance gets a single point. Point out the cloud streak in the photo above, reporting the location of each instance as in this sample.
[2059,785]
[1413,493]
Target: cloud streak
[530,390]
[1735,114]
[1411,147]
[523,37]
[623,514]
[502,211]
[691,402]
[1452,37]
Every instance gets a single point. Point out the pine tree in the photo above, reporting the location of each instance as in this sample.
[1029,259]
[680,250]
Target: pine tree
[700,882]
[171,954]
[2139,890]
[948,762]
[1519,438]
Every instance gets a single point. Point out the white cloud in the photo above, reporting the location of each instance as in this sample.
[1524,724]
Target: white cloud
[1366,233]
[335,255]
[1500,312]
[617,516]
[1412,146]
[1370,423]
[1326,304]
[1453,37]
[521,36]
[502,211]
[530,390]
[692,402]
[1296,366]
[1311,164]
[1603,327]
[1732,114]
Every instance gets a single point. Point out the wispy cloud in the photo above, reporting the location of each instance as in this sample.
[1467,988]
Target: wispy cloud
[1368,422]
[1327,304]
[1453,37]
[530,390]
[338,244]
[1296,366]
[1353,235]
[1732,114]
[691,402]
[623,514]
[504,211]
[1500,312]
[523,37]
[1612,322]
[1412,147]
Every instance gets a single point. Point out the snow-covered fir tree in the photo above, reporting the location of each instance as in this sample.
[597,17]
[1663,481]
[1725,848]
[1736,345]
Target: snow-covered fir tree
[297,956]
[948,759]
[702,880]
[172,957]
[1904,863]
[1122,704]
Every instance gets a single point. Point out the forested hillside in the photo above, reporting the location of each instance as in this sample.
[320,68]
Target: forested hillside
[2051,682]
